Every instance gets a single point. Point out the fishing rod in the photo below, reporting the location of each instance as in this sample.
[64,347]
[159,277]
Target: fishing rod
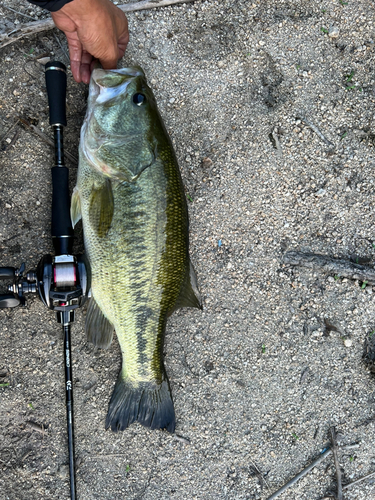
[62,280]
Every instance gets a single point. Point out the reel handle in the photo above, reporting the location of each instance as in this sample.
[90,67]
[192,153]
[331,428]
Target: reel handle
[7,273]
[9,300]
[20,285]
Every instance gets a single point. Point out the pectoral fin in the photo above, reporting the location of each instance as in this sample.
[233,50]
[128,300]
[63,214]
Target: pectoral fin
[189,295]
[75,207]
[99,330]
[102,208]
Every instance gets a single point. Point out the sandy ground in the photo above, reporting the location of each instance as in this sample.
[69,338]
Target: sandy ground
[257,378]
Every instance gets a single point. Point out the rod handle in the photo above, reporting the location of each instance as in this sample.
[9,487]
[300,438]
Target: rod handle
[55,72]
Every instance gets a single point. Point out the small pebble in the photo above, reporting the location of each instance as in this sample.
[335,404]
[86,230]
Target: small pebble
[348,342]
[206,162]
[63,471]
[44,60]
[333,32]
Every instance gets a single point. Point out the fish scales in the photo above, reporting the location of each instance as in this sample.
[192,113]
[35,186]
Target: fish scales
[137,311]
[130,196]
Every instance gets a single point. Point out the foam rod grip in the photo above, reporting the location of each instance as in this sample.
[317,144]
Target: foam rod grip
[56,90]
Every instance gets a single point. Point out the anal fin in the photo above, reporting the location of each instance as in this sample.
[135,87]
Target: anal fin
[189,295]
[99,331]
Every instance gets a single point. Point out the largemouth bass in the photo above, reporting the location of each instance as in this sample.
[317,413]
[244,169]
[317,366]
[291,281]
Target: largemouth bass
[130,197]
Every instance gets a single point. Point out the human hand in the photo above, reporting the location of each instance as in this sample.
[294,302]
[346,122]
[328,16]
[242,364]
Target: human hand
[95,29]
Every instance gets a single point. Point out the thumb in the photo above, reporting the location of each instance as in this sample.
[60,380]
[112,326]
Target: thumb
[110,58]
[109,63]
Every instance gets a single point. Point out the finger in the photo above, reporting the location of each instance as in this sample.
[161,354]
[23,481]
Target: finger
[123,37]
[118,50]
[75,53]
[94,64]
[109,62]
[85,66]
[109,54]
[122,44]
[75,66]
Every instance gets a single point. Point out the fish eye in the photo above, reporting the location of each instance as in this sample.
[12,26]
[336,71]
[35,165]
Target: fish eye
[139,99]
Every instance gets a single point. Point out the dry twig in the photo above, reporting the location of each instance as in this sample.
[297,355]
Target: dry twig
[303,472]
[12,127]
[64,51]
[11,36]
[181,439]
[277,142]
[349,485]
[36,427]
[339,267]
[315,129]
[17,12]
[46,139]
[262,480]
[363,478]
[12,141]
[337,463]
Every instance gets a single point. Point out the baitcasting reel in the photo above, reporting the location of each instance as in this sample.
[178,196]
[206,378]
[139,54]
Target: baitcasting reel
[61,281]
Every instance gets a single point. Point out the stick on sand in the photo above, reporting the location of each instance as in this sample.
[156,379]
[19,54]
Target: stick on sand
[339,267]
[11,36]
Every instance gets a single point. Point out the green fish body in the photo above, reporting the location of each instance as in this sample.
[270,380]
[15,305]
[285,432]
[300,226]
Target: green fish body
[130,197]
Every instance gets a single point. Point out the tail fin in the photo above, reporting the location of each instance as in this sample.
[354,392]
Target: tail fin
[149,403]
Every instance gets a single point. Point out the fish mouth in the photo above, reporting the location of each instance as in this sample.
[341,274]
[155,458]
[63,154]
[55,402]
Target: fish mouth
[108,84]
[130,71]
